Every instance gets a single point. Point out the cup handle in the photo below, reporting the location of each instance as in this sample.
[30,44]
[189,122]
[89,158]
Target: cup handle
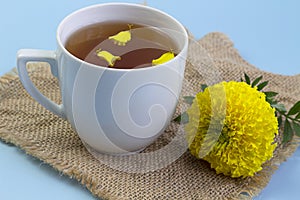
[30,55]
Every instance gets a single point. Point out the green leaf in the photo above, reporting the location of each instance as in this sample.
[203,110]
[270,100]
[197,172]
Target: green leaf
[203,87]
[270,94]
[271,101]
[177,119]
[188,99]
[298,116]
[247,79]
[262,85]
[295,109]
[296,127]
[279,107]
[183,118]
[287,132]
[279,118]
[256,81]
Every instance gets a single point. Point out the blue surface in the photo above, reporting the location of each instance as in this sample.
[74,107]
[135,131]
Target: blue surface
[265,32]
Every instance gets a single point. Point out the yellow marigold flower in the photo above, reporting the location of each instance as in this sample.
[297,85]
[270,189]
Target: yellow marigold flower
[108,57]
[122,37]
[233,128]
[163,58]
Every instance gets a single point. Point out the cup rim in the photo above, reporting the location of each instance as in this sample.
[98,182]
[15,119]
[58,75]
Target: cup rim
[58,39]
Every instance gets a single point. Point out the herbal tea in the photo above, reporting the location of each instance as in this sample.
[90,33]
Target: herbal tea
[121,45]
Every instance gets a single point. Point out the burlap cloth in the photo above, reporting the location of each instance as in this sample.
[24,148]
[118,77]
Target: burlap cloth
[26,124]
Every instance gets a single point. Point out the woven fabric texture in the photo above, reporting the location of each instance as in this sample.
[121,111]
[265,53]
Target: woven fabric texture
[26,124]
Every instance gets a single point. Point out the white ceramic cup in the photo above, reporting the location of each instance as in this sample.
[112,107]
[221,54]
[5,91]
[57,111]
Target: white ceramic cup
[114,111]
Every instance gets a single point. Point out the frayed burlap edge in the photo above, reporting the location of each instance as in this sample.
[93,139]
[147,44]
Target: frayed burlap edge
[30,149]
[59,165]
[253,186]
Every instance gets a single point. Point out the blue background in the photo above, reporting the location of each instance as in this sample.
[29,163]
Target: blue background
[266,33]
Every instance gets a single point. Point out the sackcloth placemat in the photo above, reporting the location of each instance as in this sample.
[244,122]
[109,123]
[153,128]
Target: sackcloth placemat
[26,124]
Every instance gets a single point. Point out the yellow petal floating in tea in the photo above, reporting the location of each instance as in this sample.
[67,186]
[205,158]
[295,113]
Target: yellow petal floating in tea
[164,58]
[110,59]
[122,37]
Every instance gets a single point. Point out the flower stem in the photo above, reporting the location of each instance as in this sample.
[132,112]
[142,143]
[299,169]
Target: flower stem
[289,117]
